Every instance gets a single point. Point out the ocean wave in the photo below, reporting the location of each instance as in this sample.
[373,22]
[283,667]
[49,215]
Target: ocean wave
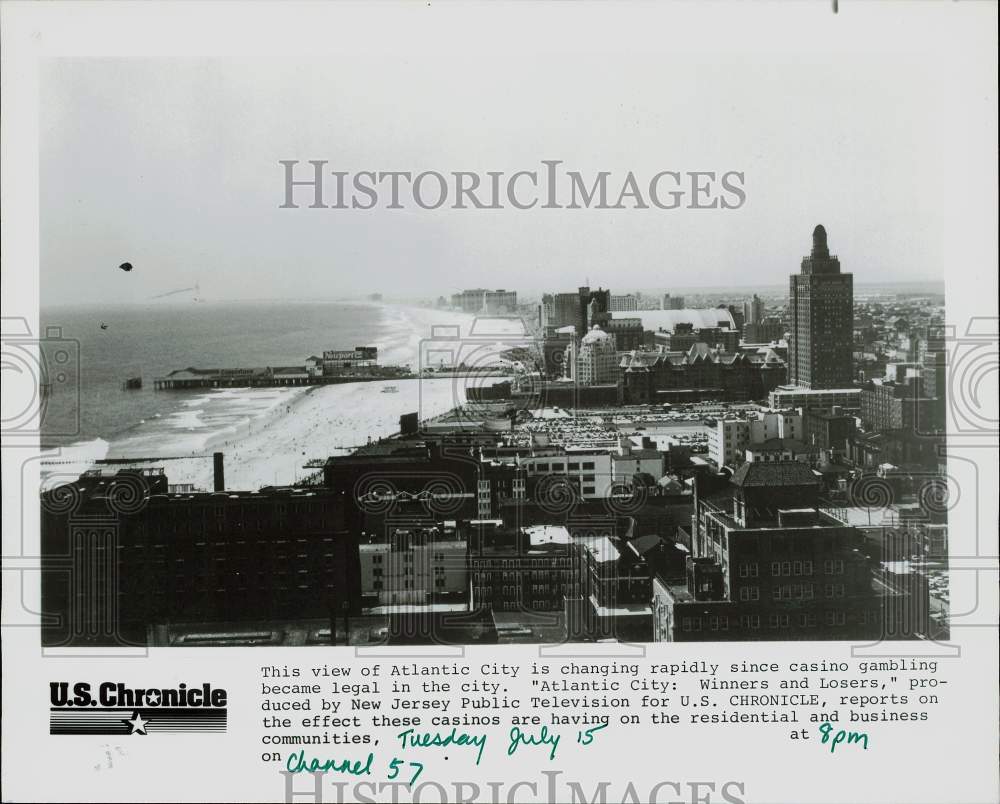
[187,419]
[64,464]
[205,420]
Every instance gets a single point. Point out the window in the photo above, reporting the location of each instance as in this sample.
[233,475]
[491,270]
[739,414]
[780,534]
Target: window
[749,593]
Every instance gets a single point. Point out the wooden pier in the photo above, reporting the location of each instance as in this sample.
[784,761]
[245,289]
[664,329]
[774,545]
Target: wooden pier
[191,378]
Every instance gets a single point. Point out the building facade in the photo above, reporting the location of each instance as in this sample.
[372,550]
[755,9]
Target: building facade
[594,361]
[623,303]
[628,333]
[791,396]
[483,300]
[731,437]
[767,330]
[701,373]
[768,563]
[829,430]
[414,566]
[124,555]
[821,305]
[888,406]
[753,310]
[532,569]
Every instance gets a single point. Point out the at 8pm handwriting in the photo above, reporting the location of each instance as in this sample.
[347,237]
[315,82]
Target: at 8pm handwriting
[851,737]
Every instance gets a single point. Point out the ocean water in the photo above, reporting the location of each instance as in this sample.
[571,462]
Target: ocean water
[92,417]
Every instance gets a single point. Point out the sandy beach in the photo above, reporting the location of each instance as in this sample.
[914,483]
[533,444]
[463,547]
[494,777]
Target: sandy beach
[269,435]
[318,422]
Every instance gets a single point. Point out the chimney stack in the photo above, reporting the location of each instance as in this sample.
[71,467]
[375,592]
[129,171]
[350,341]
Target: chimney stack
[220,475]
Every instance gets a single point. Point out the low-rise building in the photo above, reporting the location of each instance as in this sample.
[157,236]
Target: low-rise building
[828,429]
[794,396]
[775,450]
[633,460]
[731,437]
[769,563]
[701,373]
[887,405]
[420,565]
[533,569]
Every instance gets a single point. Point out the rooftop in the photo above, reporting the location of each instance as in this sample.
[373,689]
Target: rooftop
[774,473]
[547,534]
[668,319]
[780,444]
[796,389]
[602,549]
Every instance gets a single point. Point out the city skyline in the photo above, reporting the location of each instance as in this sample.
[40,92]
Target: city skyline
[613,404]
[623,473]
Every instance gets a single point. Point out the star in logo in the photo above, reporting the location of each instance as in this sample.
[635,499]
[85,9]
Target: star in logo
[136,725]
[153,698]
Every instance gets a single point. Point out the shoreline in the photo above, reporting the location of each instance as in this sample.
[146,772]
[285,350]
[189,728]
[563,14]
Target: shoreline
[322,422]
[304,423]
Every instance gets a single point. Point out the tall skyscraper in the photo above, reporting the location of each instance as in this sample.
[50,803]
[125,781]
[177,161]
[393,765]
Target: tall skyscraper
[753,310]
[821,303]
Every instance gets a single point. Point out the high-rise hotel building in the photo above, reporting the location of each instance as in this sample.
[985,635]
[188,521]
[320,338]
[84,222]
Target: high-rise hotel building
[821,304]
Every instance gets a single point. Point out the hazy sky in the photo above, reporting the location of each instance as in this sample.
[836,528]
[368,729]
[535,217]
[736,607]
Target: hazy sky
[173,164]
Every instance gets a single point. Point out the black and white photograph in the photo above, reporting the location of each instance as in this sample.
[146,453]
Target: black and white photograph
[651,343]
[699,412]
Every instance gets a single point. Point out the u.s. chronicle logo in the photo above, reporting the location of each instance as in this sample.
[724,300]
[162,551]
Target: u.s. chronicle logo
[115,708]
